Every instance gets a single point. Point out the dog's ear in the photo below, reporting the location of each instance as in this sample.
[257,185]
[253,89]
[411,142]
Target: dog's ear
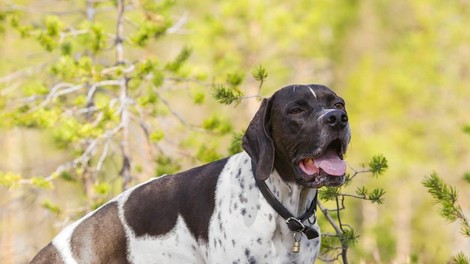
[257,141]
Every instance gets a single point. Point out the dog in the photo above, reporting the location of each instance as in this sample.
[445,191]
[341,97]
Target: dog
[236,210]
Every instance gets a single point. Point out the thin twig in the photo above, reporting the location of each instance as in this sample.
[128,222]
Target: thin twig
[120,33]
[57,90]
[179,24]
[17,74]
[337,229]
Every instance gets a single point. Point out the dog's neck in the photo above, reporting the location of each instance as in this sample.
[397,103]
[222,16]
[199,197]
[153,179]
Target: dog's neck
[294,197]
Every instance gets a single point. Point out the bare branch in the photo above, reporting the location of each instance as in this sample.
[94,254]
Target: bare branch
[95,86]
[338,230]
[329,218]
[18,74]
[104,155]
[120,32]
[58,90]
[177,115]
[179,24]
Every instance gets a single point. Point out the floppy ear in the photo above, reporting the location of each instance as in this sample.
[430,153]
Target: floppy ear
[257,141]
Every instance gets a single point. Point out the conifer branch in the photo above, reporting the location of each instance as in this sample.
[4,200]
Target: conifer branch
[446,197]
[344,232]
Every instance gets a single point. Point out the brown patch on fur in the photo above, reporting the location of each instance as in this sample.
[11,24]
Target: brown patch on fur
[48,255]
[100,238]
[153,208]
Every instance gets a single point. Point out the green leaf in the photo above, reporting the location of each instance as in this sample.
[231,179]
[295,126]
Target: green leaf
[466,129]
[207,153]
[66,48]
[329,193]
[460,258]
[182,57]
[466,176]
[9,179]
[53,26]
[149,29]
[102,188]
[362,191]
[42,183]
[157,136]
[328,244]
[67,176]
[234,79]
[236,143]
[145,67]
[444,195]
[226,95]
[52,207]
[378,165]
[218,125]
[438,189]
[158,79]
[376,196]
[46,41]
[199,98]
[259,73]
[166,165]
[349,237]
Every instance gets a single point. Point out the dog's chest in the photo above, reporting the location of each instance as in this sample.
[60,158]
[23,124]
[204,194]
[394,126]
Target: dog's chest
[244,228]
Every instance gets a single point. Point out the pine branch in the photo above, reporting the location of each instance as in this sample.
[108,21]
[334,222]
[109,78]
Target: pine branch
[446,197]
[346,235]
[460,258]
[226,95]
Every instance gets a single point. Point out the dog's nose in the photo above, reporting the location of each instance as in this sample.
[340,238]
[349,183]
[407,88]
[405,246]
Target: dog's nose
[337,119]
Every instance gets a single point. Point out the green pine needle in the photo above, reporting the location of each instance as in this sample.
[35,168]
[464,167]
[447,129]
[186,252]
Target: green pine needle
[226,95]
[376,196]
[349,237]
[259,73]
[362,191]
[329,193]
[446,197]
[466,176]
[466,129]
[236,143]
[460,258]
[378,165]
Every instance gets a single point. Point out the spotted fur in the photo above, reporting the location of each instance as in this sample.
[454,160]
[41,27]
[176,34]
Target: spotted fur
[241,227]
[215,213]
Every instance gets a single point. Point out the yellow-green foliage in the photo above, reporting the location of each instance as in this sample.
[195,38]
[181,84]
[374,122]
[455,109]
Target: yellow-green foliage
[402,67]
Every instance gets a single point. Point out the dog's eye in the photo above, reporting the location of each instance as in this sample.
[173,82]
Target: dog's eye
[295,110]
[339,106]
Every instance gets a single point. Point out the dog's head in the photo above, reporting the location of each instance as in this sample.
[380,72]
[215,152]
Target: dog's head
[303,132]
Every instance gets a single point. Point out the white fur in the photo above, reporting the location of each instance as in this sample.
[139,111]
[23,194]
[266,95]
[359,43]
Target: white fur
[313,92]
[268,241]
[243,226]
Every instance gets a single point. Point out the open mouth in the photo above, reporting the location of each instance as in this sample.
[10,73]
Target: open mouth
[327,163]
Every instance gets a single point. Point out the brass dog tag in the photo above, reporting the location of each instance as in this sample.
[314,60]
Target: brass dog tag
[296,247]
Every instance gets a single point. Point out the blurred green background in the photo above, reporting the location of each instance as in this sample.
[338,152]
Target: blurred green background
[402,66]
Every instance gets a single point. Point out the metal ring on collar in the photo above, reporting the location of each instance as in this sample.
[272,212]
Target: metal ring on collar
[296,225]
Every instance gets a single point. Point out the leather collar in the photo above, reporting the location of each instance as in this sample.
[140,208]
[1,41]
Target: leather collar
[295,224]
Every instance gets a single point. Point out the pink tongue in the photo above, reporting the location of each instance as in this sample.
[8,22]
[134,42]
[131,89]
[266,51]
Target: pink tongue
[331,163]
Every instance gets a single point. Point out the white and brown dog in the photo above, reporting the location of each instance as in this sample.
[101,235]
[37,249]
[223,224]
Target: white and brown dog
[233,210]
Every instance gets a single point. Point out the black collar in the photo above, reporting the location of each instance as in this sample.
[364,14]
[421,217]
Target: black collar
[295,224]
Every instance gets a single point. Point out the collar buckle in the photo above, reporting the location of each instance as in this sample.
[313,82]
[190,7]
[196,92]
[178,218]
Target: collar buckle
[295,224]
